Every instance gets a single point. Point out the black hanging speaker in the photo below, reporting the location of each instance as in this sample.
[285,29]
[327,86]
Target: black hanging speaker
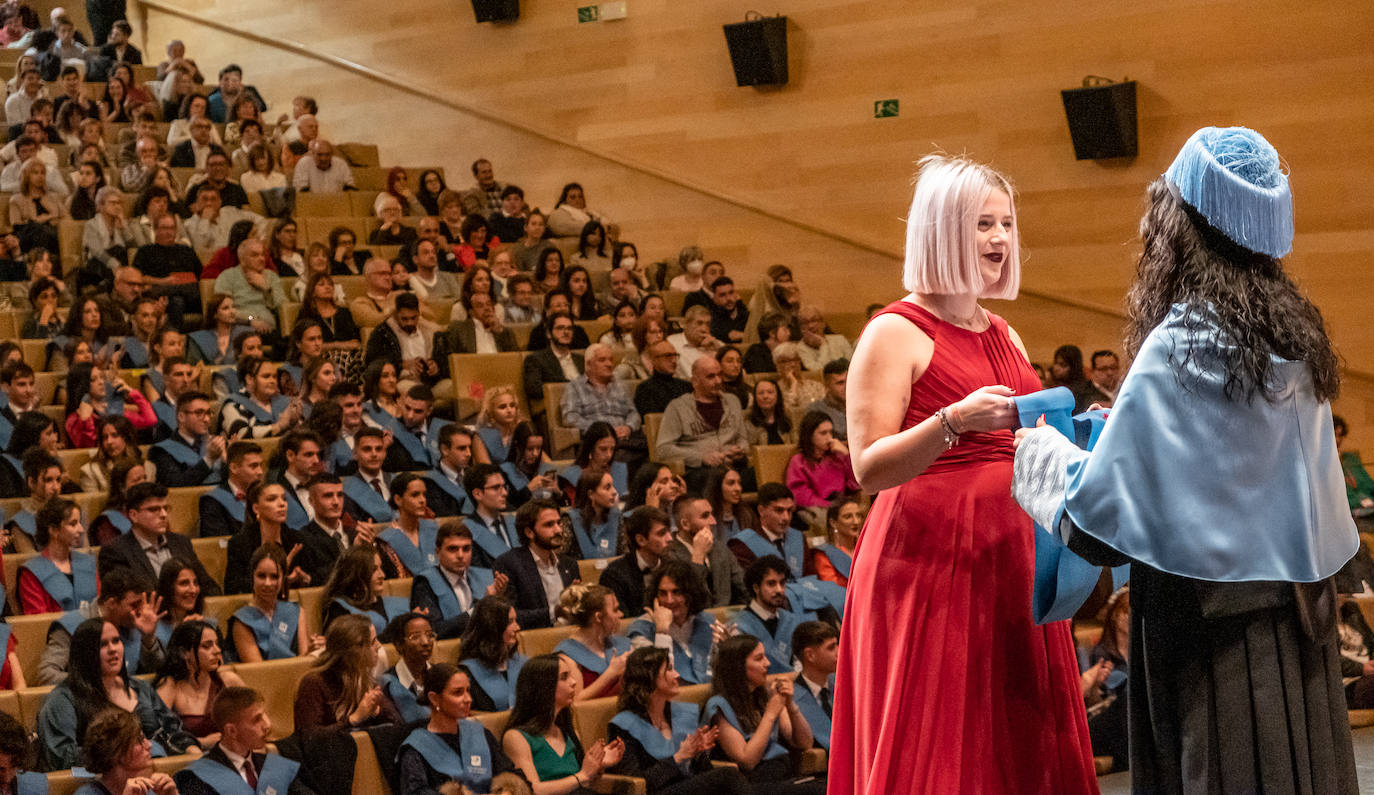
[1102,120]
[496,10]
[758,51]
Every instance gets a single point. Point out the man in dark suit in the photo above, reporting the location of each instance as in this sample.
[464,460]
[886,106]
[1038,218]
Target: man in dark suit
[217,168]
[816,646]
[556,363]
[118,48]
[234,766]
[222,510]
[415,439]
[648,533]
[537,572]
[189,457]
[481,332]
[194,152]
[556,301]
[147,547]
[444,491]
[447,592]
[328,536]
[303,451]
[17,382]
[384,342]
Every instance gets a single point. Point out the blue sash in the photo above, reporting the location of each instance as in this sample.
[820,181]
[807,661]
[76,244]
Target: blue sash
[518,481]
[181,452]
[812,710]
[274,779]
[71,594]
[811,594]
[604,537]
[403,697]
[681,715]
[294,372]
[492,544]
[232,506]
[590,660]
[262,415]
[423,454]
[119,520]
[727,530]
[479,580]
[163,632]
[230,377]
[166,413]
[718,704]
[340,456]
[367,498]
[694,669]
[135,354]
[392,606]
[276,639]
[27,522]
[417,559]
[6,429]
[792,543]
[491,439]
[473,770]
[385,419]
[296,515]
[498,685]
[778,646]
[31,784]
[841,560]
[454,490]
[206,341]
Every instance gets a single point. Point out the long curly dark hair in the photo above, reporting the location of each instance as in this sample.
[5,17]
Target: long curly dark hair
[1258,308]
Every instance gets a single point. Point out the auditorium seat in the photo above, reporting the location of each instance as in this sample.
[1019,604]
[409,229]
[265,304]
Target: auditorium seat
[36,354]
[30,702]
[276,680]
[221,608]
[770,461]
[473,372]
[31,638]
[590,570]
[534,642]
[359,155]
[311,601]
[12,563]
[563,438]
[183,509]
[321,205]
[9,704]
[213,554]
[590,719]
[367,773]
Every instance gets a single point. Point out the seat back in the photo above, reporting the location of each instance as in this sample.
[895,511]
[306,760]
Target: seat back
[770,461]
[473,372]
[591,717]
[31,638]
[213,554]
[277,681]
[30,702]
[590,570]
[183,509]
[534,642]
[221,608]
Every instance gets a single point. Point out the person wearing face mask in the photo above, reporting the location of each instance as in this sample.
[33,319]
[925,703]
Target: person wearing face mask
[693,264]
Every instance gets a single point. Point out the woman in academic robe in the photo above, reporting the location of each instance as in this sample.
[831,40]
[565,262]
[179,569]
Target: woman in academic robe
[413,636]
[120,758]
[113,522]
[340,691]
[832,560]
[451,747]
[407,545]
[678,620]
[264,521]
[258,410]
[58,578]
[599,652]
[182,599]
[358,587]
[489,652]
[541,740]
[665,744]
[270,627]
[595,518]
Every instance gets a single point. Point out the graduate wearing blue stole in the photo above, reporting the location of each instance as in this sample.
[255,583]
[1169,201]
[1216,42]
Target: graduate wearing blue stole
[793,548]
[841,560]
[181,462]
[372,507]
[433,591]
[416,558]
[276,776]
[777,645]
[276,637]
[206,343]
[136,354]
[409,453]
[601,540]
[470,765]
[221,511]
[811,709]
[593,664]
[130,636]
[488,546]
[253,417]
[166,417]
[497,450]
[620,476]
[390,607]
[693,663]
[30,783]
[493,690]
[74,592]
[717,705]
[445,495]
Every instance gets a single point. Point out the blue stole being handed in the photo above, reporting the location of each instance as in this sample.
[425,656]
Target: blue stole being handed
[479,580]
[163,631]
[718,704]
[224,497]
[392,606]
[812,710]
[694,669]
[473,769]
[407,703]
[603,538]
[454,490]
[491,439]
[26,521]
[188,456]
[262,415]
[620,476]
[777,645]
[276,638]
[367,498]
[491,543]
[275,777]
[417,559]
[590,660]
[498,685]
[682,716]
[841,560]
[75,593]
[794,547]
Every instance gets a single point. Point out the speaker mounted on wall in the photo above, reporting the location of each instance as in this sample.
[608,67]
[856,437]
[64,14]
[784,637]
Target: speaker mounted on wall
[1102,119]
[758,51]
[496,10]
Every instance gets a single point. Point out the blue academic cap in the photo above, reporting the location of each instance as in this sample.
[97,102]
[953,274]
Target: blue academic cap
[1233,178]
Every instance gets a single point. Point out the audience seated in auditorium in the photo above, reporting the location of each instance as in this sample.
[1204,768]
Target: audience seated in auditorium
[195,150]
[705,428]
[1103,681]
[240,719]
[493,534]
[635,362]
[835,375]
[595,644]
[490,653]
[148,545]
[648,533]
[815,346]
[193,676]
[832,561]
[447,592]
[595,519]
[367,493]
[484,197]
[798,392]
[596,396]
[816,646]
[537,564]
[357,586]
[257,410]
[20,396]
[406,543]
[732,374]
[33,429]
[19,104]
[303,453]
[663,386]
[391,231]
[125,600]
[59,578]
[327,537]
[231,87]
[216,177]
[769,616]
[820,471]
[445,494]
[116,753]
[113,519]
[694,341]
[182,599]
[190,456]
[535,730]
[507,222]
[528,471]
[406,341]
[43,483]
[596,451]
[725,492]
[322,171]
[415,434]
[264,521]
[696,543]
[774,536]
[340,691]
[558,362]
[691,262]
[270,627]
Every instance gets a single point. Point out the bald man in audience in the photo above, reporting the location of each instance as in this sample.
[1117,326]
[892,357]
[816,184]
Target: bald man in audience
[322,171]
[705,429]
[654,393]
[623,287]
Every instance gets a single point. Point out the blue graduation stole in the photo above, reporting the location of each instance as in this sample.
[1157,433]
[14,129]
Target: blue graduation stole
[693,668]
[207,341]
[778,646]
[6,429]
[262,415]
[118,519]
[681,715]
[294,371]
[224,497]
[492,544]
[518,480]
[230,377]
[26,521]
[274,779]
[403,697]
[383,418]
[812,710]
[367,498]
[417,559]
[71,594]
[29,783]
[473,770]
[793,545]
[727,530]
[718,704]
[426,454]
[585,657]
[275,638]
[603,539]
[392,606]
[811,593]
[166,413]
[498,685]
[454,490]
[188,456]
[340,456]
[479,580]
[296,515]
[491,439]
[133,647]
[136,354]
[841,560]
[163,632]
[5,632]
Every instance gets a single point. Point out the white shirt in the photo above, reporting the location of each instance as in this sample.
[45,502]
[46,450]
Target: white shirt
[237,761]
[19,105]
[157,551]
[336,532]
[486,341]
[565,361]
[404,676]
[461,588]
[412,345]
[813,687]
[766,613]
[551,579]
[380,477]
[687,354]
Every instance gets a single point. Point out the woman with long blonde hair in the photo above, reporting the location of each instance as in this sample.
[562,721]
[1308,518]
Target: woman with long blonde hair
[496,424]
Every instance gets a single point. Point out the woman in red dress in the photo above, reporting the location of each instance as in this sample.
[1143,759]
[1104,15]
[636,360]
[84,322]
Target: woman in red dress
[945,685]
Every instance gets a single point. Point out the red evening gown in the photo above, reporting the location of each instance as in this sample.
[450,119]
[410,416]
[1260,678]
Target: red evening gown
[945,685]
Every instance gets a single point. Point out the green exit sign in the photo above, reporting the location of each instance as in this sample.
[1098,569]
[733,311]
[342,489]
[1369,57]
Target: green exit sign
[885,109]
[588,13]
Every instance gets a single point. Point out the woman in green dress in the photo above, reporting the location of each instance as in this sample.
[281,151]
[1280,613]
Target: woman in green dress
[540,739]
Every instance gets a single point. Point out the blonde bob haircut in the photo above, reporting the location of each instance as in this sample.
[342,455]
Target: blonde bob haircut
[941,230]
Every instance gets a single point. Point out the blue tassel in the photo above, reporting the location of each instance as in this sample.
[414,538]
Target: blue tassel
[1233,177]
